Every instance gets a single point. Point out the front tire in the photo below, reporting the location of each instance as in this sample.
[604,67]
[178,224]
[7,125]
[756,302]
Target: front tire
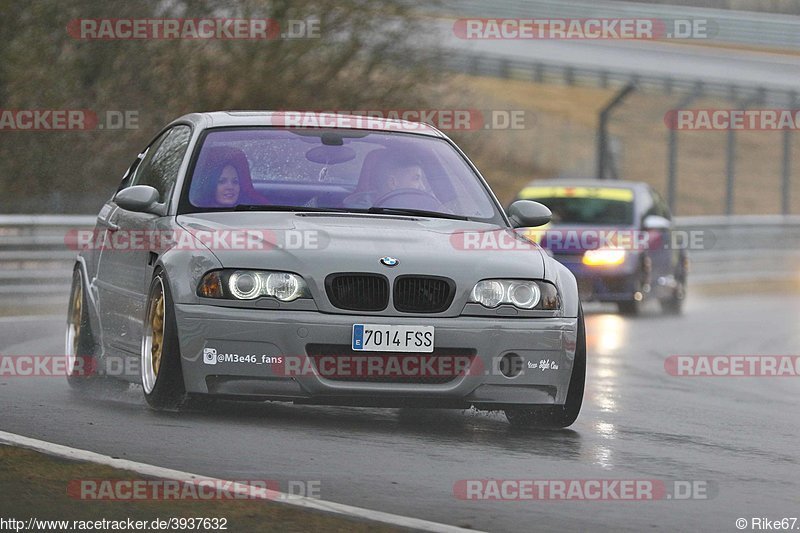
[643,286]
[558,416]
[162,375]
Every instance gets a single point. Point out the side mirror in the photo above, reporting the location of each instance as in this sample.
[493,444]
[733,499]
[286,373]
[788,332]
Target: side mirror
[656,222]
[139,198]
[528,214]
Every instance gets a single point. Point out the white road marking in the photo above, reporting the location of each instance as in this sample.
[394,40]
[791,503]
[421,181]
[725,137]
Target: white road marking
[32,318]
[239,488]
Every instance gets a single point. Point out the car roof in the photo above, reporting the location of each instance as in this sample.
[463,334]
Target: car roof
[218,119]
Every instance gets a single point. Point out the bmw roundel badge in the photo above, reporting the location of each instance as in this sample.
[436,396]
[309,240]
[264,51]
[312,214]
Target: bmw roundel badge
[389,261]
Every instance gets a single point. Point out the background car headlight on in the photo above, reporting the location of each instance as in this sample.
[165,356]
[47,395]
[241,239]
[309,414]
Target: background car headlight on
[604,257]
[252,284]
[523,294]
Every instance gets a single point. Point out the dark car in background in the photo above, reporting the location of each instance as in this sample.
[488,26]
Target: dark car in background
[616,238]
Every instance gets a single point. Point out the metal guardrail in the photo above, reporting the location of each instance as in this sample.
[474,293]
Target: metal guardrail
[36,261]
[500,66]
[740,27]
[744,248]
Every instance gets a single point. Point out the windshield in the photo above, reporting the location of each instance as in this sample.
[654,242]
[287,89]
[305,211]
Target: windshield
[585,205]
[348,170]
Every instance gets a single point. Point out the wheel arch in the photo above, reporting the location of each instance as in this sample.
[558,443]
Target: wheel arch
[90,294]
[567,286]
[183,271]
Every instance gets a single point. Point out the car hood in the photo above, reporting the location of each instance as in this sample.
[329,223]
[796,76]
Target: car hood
[316,244]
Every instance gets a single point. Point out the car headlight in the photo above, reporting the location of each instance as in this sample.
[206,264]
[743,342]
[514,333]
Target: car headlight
[252,284]
[245,285]
[523,294]
[488,293]
[604,257]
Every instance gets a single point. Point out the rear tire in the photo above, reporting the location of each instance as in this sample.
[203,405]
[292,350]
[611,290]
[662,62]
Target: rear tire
[558,416]
[162,375]
[673,305]
[83,368]
[630,307]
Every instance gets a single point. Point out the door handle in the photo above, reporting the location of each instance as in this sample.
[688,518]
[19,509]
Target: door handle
[110,226]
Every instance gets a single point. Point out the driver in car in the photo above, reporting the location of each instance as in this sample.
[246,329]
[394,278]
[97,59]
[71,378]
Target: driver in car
[390,175]
[409,177]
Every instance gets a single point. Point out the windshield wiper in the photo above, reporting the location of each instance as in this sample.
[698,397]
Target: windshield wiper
[261,207]
[371,210]
[419,212]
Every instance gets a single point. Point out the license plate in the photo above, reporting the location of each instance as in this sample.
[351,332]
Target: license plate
[383,338]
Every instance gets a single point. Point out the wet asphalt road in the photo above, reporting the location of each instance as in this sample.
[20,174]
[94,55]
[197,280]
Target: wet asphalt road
[738,434]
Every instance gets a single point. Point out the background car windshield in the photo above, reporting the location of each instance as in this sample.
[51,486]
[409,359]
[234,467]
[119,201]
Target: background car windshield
[338,169]
[595,211]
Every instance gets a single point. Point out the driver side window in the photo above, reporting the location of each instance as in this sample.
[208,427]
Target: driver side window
[160,165]
[657,205]
[662,209]
[131,172]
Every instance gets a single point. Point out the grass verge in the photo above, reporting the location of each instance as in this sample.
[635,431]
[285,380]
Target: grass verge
[35,485]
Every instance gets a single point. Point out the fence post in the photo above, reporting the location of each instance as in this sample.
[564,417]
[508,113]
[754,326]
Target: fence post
[786,169]
[672,151]
[602,130]
[569,76]
[730,169]
[730,155]
[538,73]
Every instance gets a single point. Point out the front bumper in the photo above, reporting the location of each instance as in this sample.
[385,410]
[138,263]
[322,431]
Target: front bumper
[546,347]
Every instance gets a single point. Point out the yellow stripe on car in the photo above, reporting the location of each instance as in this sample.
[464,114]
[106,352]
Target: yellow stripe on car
[604,193]
[535,234]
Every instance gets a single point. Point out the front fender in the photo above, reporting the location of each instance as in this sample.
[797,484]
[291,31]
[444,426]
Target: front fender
[185,269]
[566,283]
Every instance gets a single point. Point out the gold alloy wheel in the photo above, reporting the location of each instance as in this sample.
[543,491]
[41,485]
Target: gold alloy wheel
[157,324]
[74,320]
[77,310]
[153,338]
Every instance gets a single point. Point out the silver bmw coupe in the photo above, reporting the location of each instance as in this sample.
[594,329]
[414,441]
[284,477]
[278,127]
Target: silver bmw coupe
[322,259]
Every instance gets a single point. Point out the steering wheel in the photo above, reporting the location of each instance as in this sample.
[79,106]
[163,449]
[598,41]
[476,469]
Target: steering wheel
[419,199]
[358,199]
